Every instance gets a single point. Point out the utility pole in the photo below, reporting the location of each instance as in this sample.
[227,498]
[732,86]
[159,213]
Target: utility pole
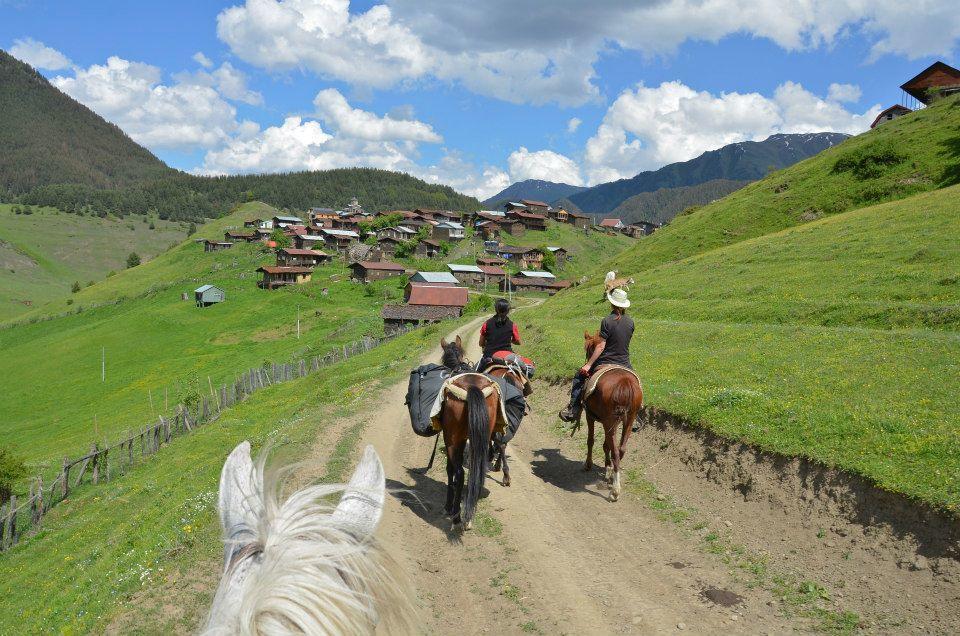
[103,364]
[298,322]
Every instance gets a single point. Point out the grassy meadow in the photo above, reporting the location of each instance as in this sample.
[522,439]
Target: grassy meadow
[835,340]
[42,254]
[157,524]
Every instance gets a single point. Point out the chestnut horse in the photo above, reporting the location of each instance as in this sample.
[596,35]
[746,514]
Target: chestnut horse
[498,448]
[460,420]
[616,400]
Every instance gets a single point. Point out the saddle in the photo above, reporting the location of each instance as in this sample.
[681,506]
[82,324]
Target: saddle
[459,393]
[599,372]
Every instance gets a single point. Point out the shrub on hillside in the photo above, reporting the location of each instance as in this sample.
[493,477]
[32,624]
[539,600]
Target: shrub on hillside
[133,260]
[868,162]
[280,239]
[12,469]
[76,287]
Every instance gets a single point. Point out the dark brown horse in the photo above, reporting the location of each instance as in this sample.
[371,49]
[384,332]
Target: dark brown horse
[616,401]
[498,448]
[470,417]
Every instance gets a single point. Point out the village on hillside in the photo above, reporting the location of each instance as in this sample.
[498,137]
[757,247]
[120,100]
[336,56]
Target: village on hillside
[369,241]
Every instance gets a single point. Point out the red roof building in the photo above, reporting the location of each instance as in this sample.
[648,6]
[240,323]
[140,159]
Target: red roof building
[437,295]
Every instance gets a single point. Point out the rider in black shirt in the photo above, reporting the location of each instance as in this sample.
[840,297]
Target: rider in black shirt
[616,330]
[497,334]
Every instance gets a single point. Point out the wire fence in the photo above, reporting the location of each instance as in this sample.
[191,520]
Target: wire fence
[19,518]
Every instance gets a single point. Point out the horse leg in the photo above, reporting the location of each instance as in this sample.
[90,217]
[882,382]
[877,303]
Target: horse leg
[609,450]
[616,455]
[506,468]
[458,480]
[588,466]
[448,509]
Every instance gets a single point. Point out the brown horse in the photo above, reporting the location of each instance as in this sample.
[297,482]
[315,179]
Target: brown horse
[616,400]
[472,418]
[498,448]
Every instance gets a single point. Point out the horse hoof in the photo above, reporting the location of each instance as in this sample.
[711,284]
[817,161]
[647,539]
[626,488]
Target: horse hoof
[506,482]
[495,469]
[468,525]
[587,468]
[614,495]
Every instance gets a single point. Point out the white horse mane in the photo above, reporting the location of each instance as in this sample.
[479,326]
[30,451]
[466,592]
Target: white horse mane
[301,565]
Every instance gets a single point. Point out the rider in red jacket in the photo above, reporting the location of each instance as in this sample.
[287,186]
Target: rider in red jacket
[497,334]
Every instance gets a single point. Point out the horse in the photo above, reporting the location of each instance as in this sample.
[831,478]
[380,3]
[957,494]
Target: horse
[498,448]
[300,565]
[616,400]
[471,418]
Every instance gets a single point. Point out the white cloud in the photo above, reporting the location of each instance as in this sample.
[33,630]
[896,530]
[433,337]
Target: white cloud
[229,81]
[844,93]
[333,109]
[202,60]
[528,51]
[461,175]
[573,124]
[649,127]
[39,55]
[543,164]
[131,95]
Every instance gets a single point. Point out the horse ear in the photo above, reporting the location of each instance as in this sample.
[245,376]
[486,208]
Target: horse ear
[586,335]
[240,492]
[361,506]
[459,343]
[443,343]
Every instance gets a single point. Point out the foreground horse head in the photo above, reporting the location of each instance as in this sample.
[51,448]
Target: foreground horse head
[453,355]
[301,565]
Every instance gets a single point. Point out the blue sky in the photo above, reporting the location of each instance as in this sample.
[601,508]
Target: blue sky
[475,95]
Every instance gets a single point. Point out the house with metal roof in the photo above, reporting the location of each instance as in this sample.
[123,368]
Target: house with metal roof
[467,274]
[532,273]
[216,246]
[279,276]
[434,278]
[291,256]
[339,240]
[208,295]
[439,295]
[448,231]
[398,317]
[284,221]
[368,271]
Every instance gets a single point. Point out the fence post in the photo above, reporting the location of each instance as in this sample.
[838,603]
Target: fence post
[10,522]
[3,526]
[95,476]
[65,475]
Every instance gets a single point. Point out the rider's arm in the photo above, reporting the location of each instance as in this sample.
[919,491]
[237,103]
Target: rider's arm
[483,335]
[516,334]
[594,356]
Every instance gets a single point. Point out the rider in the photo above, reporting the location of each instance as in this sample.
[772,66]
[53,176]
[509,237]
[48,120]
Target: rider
[497,334]
[616,330]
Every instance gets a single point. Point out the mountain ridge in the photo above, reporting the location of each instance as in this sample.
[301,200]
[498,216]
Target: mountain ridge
[537,189]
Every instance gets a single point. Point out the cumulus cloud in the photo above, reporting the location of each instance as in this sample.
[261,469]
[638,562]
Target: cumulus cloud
[528,51]
[648,127]
[332,108]
[39,55]
[202,60]
[227,80]
[573,124]
[132,95]
[543,164]
[463,176]
[843,93]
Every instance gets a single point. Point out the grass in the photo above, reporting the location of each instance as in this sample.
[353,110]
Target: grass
[158,521]
[43,253]
[836,340]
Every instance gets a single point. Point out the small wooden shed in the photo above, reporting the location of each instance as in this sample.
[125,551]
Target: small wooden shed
[208,295]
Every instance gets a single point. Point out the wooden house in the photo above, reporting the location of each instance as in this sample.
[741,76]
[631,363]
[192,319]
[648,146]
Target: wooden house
[434,278]
[388,245]
[530,220]
[534,281]
[308,241]
[448,231]
[579,220]
[493,276]
[487,230]
[340,240]
[368,271]
[206,295]
[237,237]
[279,276]
[510,206]
[935,81]
[467,274]
[559,255]
[437,295]
[533,205]
[512,226]
[319,215]
[398,317]
[495,261]
[640,229]
[611,225]
[400,232]
[558,214]
[889,114]
[291,256]
[253,223]
[522,257]
[286,221]
[216,246]
[427,248]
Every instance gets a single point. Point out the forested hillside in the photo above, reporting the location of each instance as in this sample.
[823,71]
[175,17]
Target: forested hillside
[47,137]
[744,161]
[57,153]
[662,205]
[535,189]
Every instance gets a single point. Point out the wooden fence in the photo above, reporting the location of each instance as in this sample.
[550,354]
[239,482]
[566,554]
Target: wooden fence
[18,518]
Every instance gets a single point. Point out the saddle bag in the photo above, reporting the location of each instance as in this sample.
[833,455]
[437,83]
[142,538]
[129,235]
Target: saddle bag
[510,358]
[422,391]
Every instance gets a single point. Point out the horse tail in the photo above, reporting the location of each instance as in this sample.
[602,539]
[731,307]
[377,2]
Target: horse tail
[478,422]
[622,397]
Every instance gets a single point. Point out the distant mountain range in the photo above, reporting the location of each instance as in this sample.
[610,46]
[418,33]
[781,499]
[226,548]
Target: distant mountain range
[55,151]
[658,195]
[534,189]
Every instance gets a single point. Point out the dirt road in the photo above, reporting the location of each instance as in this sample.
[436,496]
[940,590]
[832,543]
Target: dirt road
[551,554]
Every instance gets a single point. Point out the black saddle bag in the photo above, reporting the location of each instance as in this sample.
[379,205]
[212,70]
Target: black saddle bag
[422,391]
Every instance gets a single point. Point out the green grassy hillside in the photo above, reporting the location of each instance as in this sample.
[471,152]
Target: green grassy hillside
[42,254]
[916,153]
[836,340]
[159,347]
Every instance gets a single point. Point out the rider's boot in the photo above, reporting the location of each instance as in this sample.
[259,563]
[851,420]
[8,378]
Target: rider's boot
[572,412]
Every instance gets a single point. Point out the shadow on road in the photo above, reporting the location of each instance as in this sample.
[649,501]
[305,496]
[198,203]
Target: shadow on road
[555,469]
[424,498]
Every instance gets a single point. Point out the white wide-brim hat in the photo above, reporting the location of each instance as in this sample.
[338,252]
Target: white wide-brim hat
[618,298]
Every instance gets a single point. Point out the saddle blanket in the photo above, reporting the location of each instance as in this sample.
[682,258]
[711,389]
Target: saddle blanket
[461,394]
[600,371]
